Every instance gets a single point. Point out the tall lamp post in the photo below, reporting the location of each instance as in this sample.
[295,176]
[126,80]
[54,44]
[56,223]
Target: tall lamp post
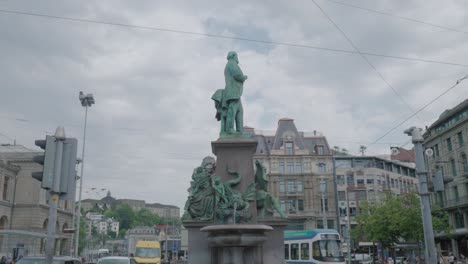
[86,101]
[323,189]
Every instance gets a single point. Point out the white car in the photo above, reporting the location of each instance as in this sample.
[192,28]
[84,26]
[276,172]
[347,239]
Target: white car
[116,260]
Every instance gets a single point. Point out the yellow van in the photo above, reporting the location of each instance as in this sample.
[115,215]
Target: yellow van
[148,252]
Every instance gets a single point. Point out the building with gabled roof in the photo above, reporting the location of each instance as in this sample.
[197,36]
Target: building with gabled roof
[296,162]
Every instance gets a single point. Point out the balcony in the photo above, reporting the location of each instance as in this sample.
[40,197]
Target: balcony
[460,201]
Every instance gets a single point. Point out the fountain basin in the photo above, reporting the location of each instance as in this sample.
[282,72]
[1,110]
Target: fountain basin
[236,235]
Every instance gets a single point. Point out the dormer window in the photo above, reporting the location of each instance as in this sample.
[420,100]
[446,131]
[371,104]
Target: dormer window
[289,148]
[319,150]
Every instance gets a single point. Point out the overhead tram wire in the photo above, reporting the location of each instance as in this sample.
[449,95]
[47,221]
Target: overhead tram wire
[7,137]
[397,16]
[365,58]
[82,20]
[419,110]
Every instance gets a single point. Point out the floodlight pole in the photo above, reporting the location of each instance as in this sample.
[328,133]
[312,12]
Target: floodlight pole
[429,242]
[86,101]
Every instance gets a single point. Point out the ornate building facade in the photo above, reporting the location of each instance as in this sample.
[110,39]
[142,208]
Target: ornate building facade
[296,163]
[448,138]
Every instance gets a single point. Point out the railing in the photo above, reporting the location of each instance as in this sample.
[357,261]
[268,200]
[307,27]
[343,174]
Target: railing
[462,200]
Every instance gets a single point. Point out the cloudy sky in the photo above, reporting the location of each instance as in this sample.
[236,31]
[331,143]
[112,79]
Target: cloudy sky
[153,119]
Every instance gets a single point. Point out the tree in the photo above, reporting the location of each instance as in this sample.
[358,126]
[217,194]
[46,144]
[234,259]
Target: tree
[145,217]
[125,215]
[82,235]
[395,218]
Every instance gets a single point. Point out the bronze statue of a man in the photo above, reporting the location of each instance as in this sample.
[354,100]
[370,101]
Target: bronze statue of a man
[234,79]
[228,100]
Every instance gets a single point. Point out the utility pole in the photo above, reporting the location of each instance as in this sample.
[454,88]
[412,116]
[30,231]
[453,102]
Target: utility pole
[348,225]
[323,189]
[417,138]
[51,226]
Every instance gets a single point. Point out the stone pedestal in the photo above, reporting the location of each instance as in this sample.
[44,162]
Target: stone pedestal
[236,154]
[199,250]
[235,244]
[273,248]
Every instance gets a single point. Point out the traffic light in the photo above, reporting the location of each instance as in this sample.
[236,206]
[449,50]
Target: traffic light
[68,177]
[46,176]
[50,160]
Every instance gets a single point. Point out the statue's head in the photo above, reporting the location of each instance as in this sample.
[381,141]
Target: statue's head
[209,164]
[232,55]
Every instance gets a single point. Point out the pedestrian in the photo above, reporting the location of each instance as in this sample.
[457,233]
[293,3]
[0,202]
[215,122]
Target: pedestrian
[3,260]
[451,258]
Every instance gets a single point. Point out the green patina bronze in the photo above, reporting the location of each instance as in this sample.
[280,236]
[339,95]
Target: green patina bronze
[232,206]
[228,102]
[209,195]
[201,201]
[266,203]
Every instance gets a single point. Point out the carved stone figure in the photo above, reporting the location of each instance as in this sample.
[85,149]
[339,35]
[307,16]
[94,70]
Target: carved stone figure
[228,101]
[200,203]
[266,203]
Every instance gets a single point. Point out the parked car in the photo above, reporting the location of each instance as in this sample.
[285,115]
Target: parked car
[116,260]
[41,260]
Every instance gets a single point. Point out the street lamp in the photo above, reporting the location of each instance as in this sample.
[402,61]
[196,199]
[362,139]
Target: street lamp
[86,101]
[323,189]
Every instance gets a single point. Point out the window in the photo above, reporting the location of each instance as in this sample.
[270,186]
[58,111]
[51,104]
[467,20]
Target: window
[456,194]
[290,167]
[298,167]
[319,150]
[322,167]
[330,224]
[319,224]
[289,148]
[305,251]
[283,205]
[340,179]
[286,251]
[282,187]
[454,167]
[459,220]
[370,181]
[362,195]
[291,186]
[378,182]
[436,150]
[465,163]
[342,211]
[281,167]
[350,180]
[292,206]
[322,202]
[460,139]
[5,188]
[343,163]
[352,211]
[393,183]
[360,182]
[449,144]
[294,251]
[299,186]
[300,205]
[341,196]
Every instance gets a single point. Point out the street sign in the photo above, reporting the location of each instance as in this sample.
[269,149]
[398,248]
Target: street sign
[69,231]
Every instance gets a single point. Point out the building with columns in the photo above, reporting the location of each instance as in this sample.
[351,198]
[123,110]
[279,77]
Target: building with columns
[296,163]
[448,138]
[24,206]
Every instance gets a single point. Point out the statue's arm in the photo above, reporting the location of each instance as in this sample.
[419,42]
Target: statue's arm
[237,73]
